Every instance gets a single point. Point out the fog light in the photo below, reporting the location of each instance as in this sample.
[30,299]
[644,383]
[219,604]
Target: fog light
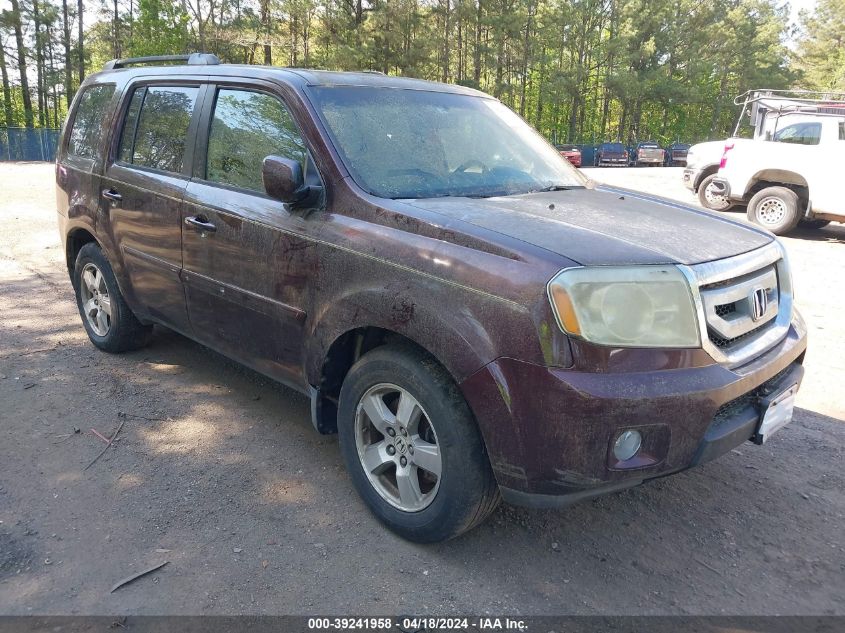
[627,445]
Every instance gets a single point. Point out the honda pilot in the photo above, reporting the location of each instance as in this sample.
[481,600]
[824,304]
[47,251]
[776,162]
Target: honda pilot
[473,317]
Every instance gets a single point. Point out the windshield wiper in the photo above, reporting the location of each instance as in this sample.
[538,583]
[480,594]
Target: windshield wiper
[553,188]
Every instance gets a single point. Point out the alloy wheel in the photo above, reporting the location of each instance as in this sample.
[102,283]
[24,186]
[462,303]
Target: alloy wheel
[96,302]
[397,447]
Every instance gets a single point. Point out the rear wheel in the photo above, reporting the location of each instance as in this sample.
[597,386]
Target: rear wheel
[710,198]
[107,319]
[775,208]
[411,446]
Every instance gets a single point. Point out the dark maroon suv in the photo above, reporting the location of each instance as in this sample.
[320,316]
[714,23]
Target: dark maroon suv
[472,316]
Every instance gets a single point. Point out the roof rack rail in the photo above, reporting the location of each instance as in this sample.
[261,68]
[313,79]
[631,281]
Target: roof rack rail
[803,96]
[194,59]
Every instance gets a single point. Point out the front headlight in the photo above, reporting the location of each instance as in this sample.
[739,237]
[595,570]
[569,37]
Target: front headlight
[638,306]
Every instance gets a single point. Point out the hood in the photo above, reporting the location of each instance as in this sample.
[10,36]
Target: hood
[606,226]
[705,153]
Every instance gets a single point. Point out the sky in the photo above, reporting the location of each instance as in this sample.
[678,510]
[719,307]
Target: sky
[797,5]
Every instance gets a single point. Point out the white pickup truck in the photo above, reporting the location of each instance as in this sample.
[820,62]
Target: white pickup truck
[701,169]
[793,173]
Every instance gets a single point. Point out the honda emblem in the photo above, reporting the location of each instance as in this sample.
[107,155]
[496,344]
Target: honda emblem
[759,299]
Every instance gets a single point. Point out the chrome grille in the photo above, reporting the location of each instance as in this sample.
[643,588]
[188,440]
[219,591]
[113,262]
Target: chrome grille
[744,303]
[729,306]
[725,309]
[722,342]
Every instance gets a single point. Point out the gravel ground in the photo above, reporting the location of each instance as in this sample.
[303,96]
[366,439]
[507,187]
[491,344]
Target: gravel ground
[219,472]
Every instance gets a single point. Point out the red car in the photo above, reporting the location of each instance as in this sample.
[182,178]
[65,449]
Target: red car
[570,153]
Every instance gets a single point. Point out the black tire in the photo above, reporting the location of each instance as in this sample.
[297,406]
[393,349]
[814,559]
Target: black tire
[125,332]
[775,209]
[707,200]
[467,491]
[813,224]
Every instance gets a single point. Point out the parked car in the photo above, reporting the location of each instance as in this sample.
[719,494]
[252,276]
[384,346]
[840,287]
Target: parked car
[572,153]
[676,154]
[475,319]
[793,178]
[700,172]
[647,153]
[613,154]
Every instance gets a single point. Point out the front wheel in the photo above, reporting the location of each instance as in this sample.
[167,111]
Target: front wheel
[412,447]
[776,209]
[710,198]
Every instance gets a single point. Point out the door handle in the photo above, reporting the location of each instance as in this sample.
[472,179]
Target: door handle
[111,194]
[200,223]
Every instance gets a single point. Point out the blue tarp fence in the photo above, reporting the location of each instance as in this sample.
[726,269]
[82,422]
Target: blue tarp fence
[21,143]
[588,154]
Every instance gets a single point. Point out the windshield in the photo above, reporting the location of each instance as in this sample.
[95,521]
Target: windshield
[613,147]
[415,144]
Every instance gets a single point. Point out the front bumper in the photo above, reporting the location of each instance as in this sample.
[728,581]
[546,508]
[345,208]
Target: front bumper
[722,187]
[691,178]
[549,431]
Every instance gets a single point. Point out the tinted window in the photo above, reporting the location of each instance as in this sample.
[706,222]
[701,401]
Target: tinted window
[841,131]
[800,133]
[162,127]
[246,128]
[612,147]
[92,108]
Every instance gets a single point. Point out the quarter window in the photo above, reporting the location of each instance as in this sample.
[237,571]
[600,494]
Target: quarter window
[246,128]
[130,126]
[800,134]
[155,131]
[90,114]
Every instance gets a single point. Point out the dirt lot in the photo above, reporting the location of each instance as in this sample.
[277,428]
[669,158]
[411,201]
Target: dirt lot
[219,472]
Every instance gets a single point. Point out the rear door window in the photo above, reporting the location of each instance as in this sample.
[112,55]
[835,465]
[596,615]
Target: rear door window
[155,131]
[247,127]
[800,134]
[92,110]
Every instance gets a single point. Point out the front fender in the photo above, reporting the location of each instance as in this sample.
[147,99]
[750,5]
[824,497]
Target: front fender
[445,322]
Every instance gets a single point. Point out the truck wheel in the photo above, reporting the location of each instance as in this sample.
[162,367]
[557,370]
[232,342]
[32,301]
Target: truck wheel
[109,322]
[412,447]
[775,208]
[813,224]
[710,198]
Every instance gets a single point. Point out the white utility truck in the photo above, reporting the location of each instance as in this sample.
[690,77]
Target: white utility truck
[701,169]
[790,172]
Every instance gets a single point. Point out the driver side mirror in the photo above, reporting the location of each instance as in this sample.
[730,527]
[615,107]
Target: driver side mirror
[284,180]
